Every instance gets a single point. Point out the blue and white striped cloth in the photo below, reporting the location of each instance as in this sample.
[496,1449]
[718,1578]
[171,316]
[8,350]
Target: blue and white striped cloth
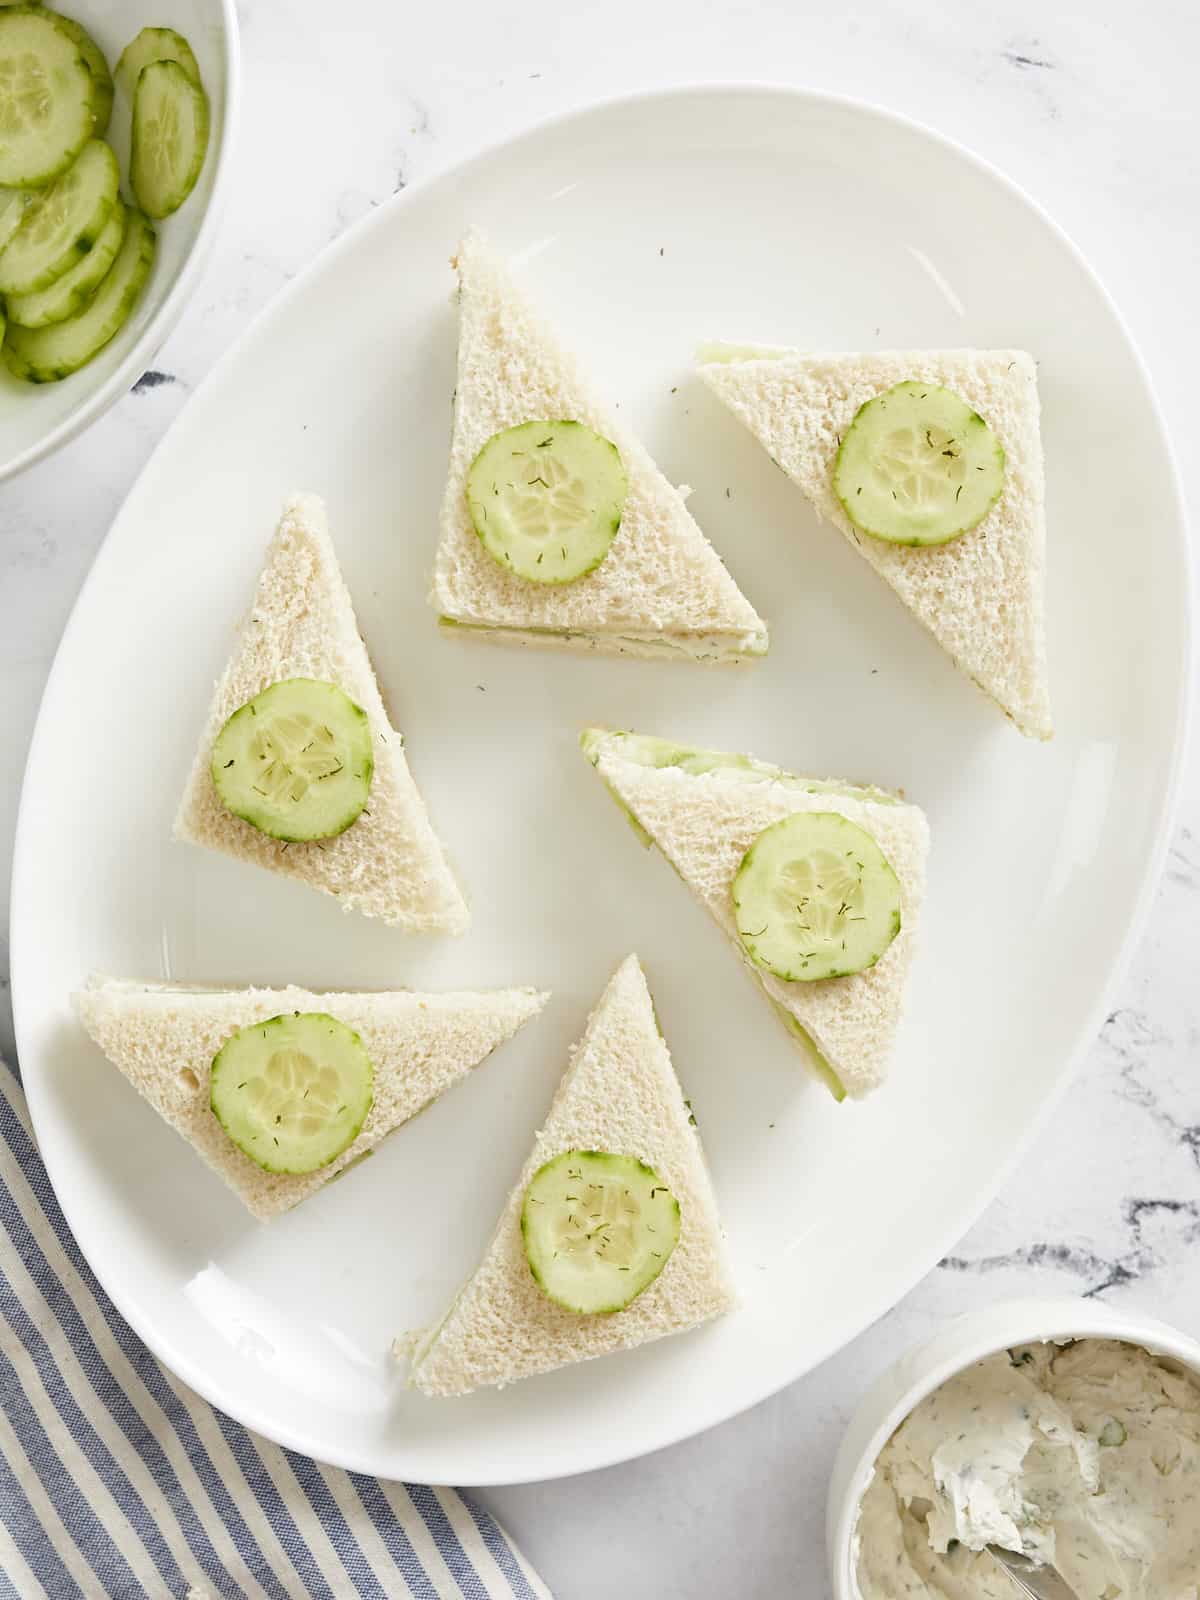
[117,1480]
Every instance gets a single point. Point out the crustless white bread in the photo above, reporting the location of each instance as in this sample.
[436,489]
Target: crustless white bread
[980,595]
[164,1038]
[619,1094]
[704,822]
[388,863]
[661,590]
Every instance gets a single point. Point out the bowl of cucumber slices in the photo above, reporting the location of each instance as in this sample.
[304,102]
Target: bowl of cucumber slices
[115,131]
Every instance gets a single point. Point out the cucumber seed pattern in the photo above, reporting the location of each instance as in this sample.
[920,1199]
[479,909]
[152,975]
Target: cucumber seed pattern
[295,752]
[292,1092]
[296,762]
[815,898]
[598,1228]
[918,466]
[546,499]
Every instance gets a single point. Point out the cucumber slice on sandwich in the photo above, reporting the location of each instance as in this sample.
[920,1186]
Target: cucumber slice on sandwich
[918,466]
[68,295]
[61,226]
[815,897]
[296,761]
[170,137]
[292,1092]
[546,499]
[807,1046]
[648,751]
[43,355]
[597,1229]
[47,112]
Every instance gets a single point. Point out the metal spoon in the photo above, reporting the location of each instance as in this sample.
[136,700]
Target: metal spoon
[1039,1583]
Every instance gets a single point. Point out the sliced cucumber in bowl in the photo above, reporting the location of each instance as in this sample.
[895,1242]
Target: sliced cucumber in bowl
[170,137]
[102,83]
[47,113]
[43,355]
[63,223]
[68,295]
[73,258]
[151,45]
[12,208]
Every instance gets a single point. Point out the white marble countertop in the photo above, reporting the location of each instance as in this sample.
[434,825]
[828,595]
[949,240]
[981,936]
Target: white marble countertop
[1096,117]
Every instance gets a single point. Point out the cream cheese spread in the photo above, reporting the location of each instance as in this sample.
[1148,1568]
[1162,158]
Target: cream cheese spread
[1085,1455]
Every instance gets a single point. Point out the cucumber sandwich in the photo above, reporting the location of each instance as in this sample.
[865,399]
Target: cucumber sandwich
[930,463]
[280,1090]
[610,1237]
[299,769]
[557,528]
[818,884]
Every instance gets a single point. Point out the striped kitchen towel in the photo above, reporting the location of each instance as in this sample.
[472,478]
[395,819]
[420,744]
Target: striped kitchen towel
[117,1480]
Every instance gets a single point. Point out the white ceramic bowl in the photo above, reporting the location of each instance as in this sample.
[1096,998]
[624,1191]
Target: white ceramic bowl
[959,1345]
[37,418]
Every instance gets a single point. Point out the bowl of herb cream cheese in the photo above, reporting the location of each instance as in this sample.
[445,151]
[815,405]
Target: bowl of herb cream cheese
[1065,1430]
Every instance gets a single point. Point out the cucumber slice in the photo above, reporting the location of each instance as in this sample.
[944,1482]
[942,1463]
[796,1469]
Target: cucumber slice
[292,1092]
[70,294]
[808,1045]
[918,466]
[598,1229]
[296,761]
[102,84]
[648,751]
[43,355]
[815,897]
[12,208]
[170,137]
[546,499]
[63,224]
[151,45]
[46,110]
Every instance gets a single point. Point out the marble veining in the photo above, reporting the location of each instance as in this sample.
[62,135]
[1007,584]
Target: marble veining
[151,379]
[1017,59]
[1097,1273]
[1094,111]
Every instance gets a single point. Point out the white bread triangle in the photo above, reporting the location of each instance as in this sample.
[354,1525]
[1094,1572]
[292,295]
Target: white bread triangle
[660,591]
[389,863]
[982,594]
[704,824]
[620,1094]
[164,1039]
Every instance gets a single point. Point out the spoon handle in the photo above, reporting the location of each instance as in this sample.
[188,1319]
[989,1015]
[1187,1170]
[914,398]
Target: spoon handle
[1039,1583]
